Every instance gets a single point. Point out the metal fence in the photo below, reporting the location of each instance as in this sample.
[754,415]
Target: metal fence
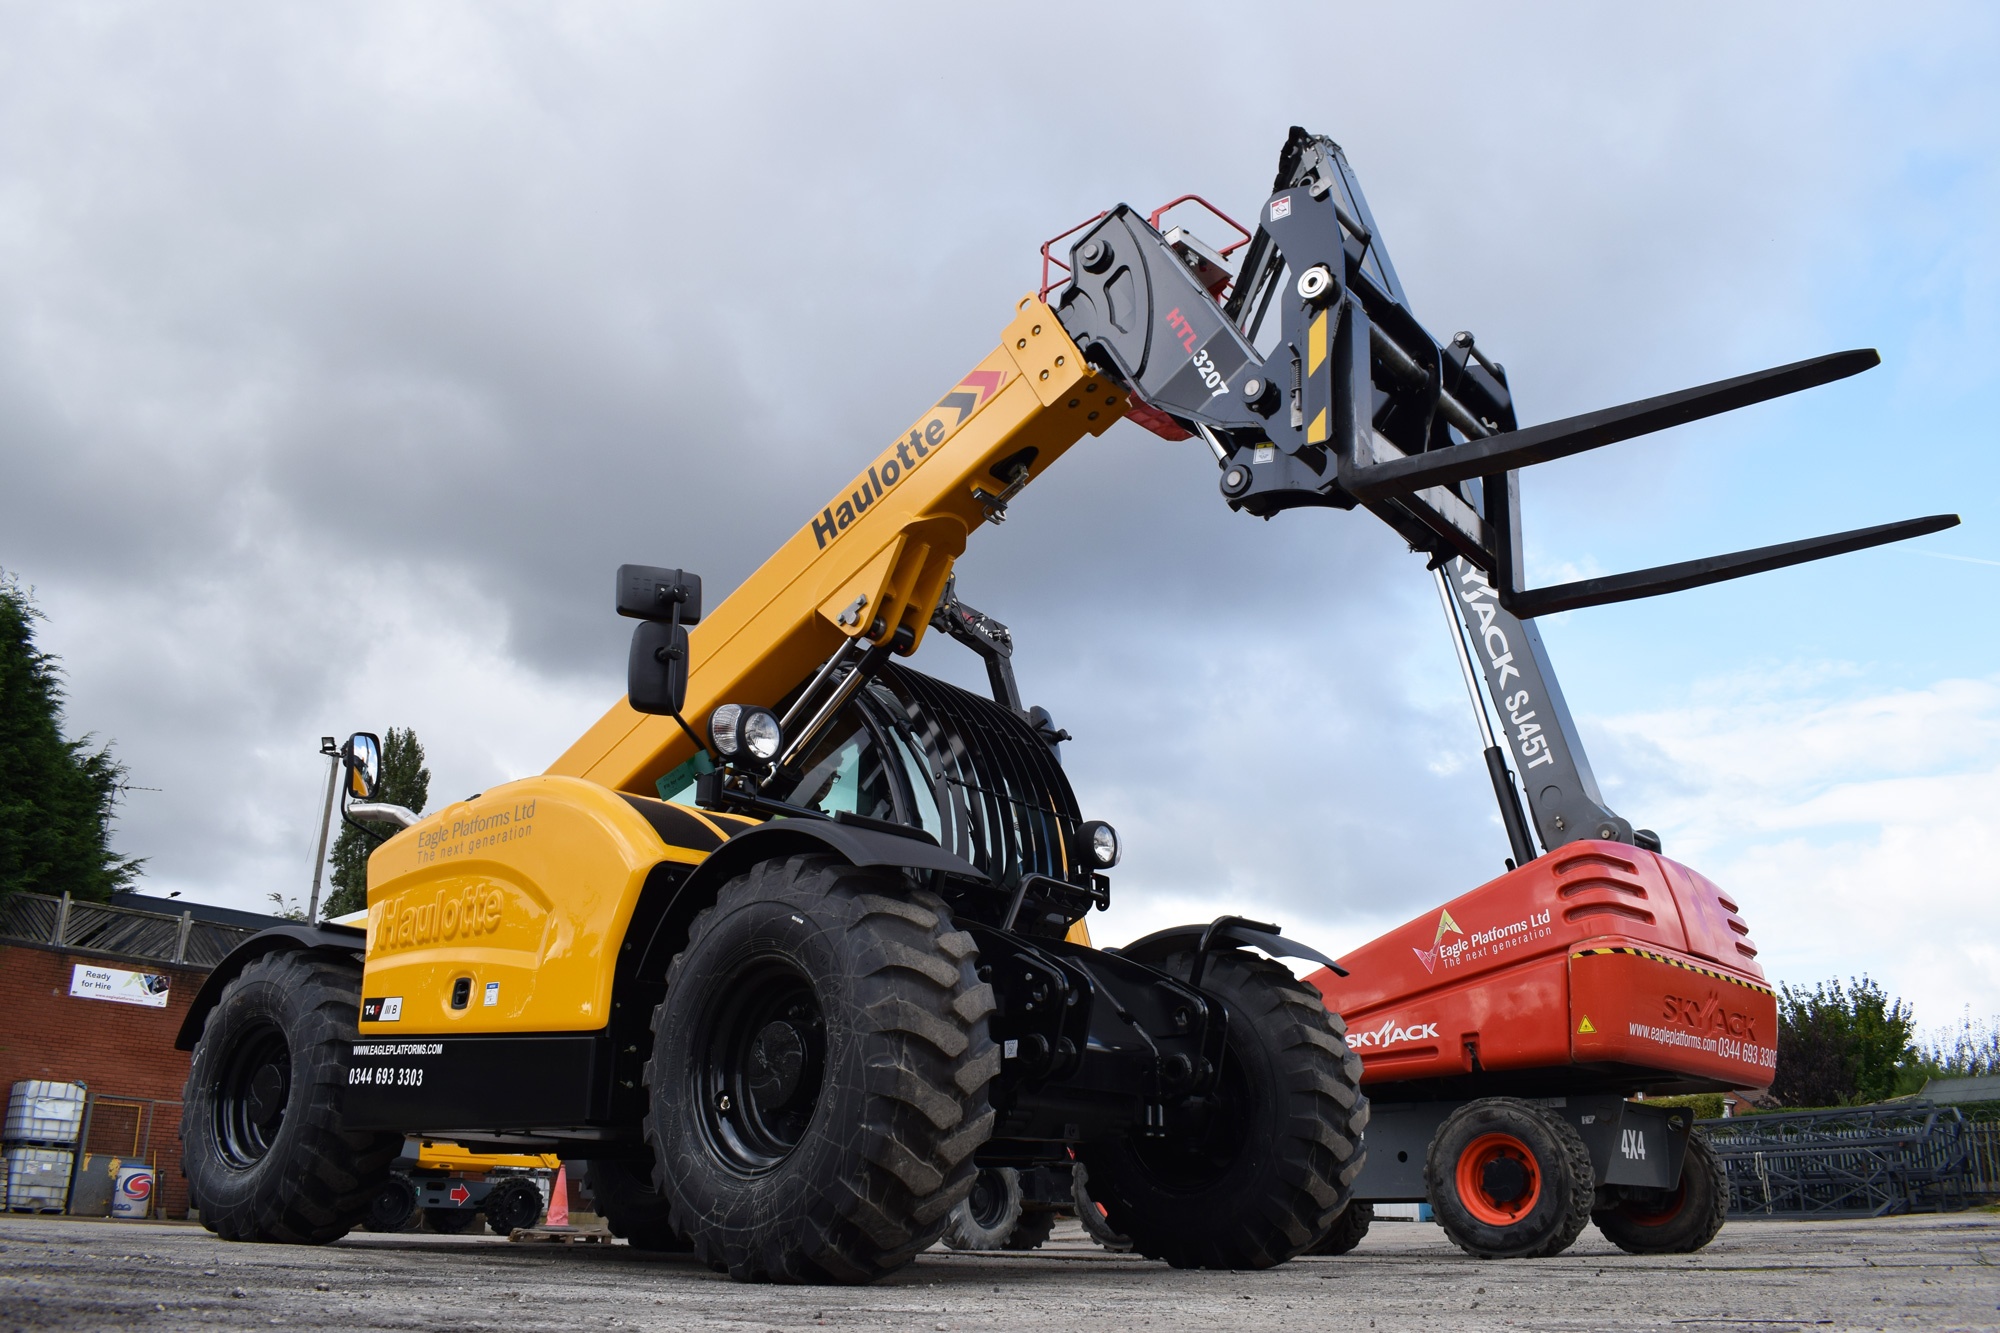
[1863,1161]
[121,930]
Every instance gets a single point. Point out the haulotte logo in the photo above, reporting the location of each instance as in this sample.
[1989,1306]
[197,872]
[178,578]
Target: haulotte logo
[1446,926]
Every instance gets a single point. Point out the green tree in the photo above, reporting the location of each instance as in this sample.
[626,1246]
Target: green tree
[405,782]
[56,795]
[1841,1045]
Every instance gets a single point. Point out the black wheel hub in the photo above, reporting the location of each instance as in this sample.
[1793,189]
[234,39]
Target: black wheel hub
[777,1063]
[1504,1180]
[988,1200]
[266,1099]
[252,1089]
[761,1065]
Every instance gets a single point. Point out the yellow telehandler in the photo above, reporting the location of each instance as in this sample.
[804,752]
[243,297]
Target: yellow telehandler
[788,946]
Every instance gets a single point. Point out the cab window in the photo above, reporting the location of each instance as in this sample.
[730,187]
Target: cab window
[844,771]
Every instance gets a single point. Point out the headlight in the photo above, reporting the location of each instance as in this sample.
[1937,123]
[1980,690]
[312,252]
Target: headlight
[1100,844]
[722,729]
[749,733]
[760,733]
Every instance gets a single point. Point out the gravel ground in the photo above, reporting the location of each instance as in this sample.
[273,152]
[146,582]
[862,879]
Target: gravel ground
[1899,1273]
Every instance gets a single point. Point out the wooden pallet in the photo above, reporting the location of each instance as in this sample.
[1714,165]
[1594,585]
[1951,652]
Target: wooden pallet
[561,1235]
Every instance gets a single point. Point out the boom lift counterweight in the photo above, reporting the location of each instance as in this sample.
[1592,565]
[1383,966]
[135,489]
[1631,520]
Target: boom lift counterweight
[789,945]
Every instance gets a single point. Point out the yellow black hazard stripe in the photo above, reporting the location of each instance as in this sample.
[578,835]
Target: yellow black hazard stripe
[1676,962]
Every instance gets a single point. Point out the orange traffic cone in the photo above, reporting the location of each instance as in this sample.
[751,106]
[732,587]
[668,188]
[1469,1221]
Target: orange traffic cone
[559,1199]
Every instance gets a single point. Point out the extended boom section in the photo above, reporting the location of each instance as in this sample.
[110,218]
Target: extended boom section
[872,563]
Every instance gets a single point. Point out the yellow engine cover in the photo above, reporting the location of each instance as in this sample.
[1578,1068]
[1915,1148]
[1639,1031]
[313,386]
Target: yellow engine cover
[524,893]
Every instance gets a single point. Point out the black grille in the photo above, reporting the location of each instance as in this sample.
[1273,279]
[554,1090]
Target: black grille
[1006,805]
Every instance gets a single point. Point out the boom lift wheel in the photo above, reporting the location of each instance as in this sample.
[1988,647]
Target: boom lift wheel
[1676,1221]
[991,1217]
[266,1155]
[513,1203]
[393,1206]
[819,1072]
[1264,1178]
[1348,1228]
[630,1206]
[1507,1180]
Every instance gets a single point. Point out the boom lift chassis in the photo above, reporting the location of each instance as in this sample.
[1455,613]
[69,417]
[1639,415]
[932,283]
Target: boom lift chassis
[789,945]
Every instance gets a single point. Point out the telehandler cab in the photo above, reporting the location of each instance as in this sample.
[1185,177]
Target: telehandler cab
[789,944]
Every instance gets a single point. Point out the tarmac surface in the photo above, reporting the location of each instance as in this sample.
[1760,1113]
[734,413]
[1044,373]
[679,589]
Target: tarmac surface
[1896,1273]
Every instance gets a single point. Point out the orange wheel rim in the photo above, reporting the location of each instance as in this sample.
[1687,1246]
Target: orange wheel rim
[1499,1181]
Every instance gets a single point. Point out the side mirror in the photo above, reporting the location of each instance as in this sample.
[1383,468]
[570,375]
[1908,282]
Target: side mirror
[656,676]
[649,593]
[362,758]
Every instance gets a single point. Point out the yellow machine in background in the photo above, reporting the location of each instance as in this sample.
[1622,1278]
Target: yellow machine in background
[453,1189]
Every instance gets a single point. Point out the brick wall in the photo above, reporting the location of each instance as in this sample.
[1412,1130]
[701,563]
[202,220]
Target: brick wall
[122,1051]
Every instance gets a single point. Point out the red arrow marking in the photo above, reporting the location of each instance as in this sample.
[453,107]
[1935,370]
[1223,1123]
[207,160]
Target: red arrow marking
[986,381]
[459,1194]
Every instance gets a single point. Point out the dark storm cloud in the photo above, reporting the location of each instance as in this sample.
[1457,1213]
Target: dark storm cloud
[344,351]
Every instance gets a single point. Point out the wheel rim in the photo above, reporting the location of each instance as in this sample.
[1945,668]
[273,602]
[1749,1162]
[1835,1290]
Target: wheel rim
[761,1066]
[250,1095]
[1499,1180]
[988,1200]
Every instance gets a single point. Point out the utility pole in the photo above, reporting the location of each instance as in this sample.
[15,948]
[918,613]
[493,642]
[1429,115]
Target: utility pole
[332,752]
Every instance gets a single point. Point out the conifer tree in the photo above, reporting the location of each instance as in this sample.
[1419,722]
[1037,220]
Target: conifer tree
[56,795]
[405,782]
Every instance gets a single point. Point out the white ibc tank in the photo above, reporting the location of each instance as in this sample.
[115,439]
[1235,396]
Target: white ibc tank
[37,1179]
[41,1111]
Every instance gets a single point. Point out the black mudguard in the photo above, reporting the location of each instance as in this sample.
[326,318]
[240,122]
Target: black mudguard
[348,940]
[781,838]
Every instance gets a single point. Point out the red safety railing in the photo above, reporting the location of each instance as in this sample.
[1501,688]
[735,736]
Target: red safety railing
[1153,220]
[1049,261]
[1152,419]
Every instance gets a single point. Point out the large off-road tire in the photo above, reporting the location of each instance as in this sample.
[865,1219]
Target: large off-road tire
[1090,1214]
[393,1207]
[1281,1152]
[1348,1228]
[1508,1180]
[1676,1221]
[266,1155]
[512,1204]
[631,1207]
[819,1073]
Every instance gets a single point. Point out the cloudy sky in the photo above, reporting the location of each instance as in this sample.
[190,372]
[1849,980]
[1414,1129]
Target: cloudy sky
[345,350]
